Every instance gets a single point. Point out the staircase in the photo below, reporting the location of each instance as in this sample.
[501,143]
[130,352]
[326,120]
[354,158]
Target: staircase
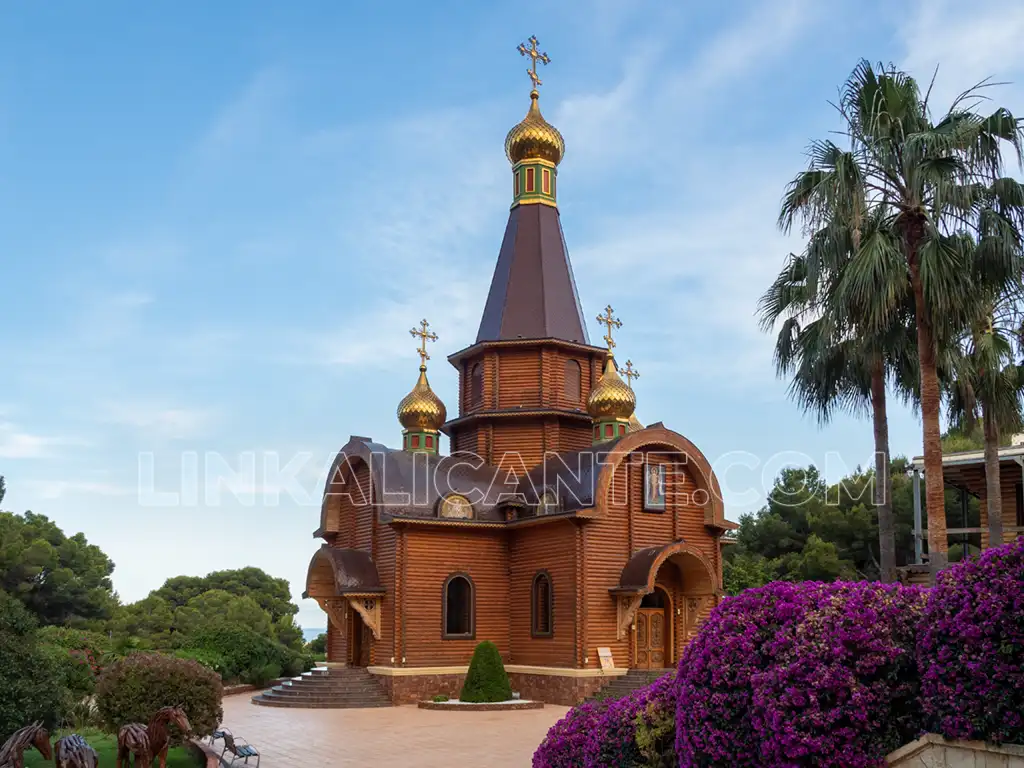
[327,688]
[624,685]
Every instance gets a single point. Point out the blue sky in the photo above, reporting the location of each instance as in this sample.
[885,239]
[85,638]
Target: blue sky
[219,221]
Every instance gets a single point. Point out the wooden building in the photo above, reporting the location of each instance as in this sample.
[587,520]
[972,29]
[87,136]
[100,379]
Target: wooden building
[965,472]
[580,542]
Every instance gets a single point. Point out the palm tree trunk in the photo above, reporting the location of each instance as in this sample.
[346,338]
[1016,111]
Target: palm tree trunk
[883,480]
[993,493]
[935,489]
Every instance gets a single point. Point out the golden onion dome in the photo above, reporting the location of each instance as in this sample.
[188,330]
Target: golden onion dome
[611,398]
[634,423]
[421,409]
[534,138]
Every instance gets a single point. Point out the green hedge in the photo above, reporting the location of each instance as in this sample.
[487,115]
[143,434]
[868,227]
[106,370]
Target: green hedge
[241,654]
[486,680]
[133,689]
[30,677]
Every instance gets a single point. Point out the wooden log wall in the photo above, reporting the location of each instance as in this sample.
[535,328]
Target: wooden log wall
[610,542]
[549,548]
[430,557]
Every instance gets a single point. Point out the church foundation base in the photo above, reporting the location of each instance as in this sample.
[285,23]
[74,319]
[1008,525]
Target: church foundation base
[551,685]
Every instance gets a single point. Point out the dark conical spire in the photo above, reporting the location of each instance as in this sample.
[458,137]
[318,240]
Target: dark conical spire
[533,292]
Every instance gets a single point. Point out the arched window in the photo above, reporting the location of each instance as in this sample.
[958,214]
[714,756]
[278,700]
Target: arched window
[548,503]
[541,605]
[476,385]
[572,381]
[457,621]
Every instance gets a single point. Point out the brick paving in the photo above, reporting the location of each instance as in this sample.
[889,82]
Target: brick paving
[393,736]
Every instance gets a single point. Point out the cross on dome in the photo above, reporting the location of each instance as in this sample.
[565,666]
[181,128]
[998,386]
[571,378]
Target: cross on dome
[536,55]
[424,336]
[609,321]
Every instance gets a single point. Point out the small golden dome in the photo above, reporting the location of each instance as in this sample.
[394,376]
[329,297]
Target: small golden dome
[634,423]
[421,409]
[534,138]
[611,398]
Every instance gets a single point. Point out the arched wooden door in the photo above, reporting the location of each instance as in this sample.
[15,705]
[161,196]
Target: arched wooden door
[653,631]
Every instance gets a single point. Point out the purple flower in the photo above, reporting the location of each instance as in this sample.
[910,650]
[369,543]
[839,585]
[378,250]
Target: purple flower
[801,674]
[971,648]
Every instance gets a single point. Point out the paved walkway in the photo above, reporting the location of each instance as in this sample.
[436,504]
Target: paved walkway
[390,736]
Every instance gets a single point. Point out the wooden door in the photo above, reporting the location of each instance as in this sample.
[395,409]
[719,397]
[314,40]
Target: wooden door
[356,639]
[650,638]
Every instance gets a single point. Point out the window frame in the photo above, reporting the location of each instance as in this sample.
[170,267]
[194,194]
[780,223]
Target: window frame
[445,634]
[476,385]
[577,373]
[534,624]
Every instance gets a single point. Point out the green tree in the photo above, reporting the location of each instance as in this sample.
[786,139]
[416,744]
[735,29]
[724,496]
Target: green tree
[272,594]
[215,608]
[30,677]
[318,644]
[929,178]
[61,579]
[834,362]
[987,387]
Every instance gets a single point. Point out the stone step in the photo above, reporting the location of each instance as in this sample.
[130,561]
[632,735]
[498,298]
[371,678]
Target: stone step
[323,688]
[265,701]
[624,685]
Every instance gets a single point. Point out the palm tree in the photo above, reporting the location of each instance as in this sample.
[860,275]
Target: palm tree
[988,386]
[834,363]
[931,179]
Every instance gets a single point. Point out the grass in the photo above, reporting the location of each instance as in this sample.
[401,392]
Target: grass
[106,747]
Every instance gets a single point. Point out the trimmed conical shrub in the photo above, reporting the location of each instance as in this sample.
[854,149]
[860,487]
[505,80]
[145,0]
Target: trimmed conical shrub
[487,680]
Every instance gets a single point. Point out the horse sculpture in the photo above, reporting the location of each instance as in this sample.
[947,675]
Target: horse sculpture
[12,753]
[146,742]
[73,751]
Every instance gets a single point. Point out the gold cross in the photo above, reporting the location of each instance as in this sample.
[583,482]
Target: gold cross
[536,55]
[424,336]
[608,320]
[630,373]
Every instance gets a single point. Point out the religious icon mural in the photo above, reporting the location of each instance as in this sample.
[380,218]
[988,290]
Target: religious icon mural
[654,486]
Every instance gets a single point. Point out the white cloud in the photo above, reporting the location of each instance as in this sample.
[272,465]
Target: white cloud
[968,42]
[18,444]
[58,489]
[156,420]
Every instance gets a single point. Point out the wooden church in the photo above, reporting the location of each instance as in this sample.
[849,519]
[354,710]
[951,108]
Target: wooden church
[580,542]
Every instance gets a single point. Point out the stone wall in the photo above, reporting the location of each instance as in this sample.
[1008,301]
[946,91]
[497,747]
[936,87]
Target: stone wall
[933,751]
[551,689]
[556,689]
[409,689]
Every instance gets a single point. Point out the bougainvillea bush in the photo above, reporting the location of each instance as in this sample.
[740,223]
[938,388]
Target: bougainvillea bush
[565,743]
[717,670]
[802,674]
[971,648]
[841,690]
[637,730]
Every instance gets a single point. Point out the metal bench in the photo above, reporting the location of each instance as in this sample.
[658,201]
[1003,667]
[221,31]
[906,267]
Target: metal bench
[239,749]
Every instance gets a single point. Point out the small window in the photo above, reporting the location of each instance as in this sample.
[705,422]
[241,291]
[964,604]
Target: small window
[476,386]
[430,441]
[415,441]
[548,504]
[515,184]
[552,186]
[530,184]
[546,181]
[542,624]
[458,607]
[571,385]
